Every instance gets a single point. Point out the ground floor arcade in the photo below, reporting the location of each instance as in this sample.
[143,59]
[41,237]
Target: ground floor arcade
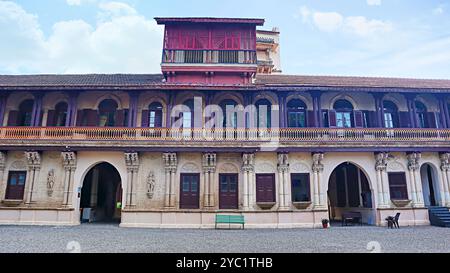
[273,190]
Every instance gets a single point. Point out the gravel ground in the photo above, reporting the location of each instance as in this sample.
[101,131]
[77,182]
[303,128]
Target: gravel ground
[111,238]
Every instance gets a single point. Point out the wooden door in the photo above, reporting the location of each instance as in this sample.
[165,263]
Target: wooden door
[228,191]
[265,188]
[16,185]
[189,191]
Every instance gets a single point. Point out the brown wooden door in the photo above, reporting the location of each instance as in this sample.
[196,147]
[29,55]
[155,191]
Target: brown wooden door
[189,191]
[16,185]
[228,191]
[265,188]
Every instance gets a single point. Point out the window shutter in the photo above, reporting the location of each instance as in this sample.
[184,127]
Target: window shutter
[13,118]
[158,119]
[79,121]
[358,117]
[51,118]
[310,118]
[331,118]
[120,117]
[145,118]
[431,120]
[91,117]
[404,119]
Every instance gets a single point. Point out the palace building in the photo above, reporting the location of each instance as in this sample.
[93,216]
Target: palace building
[220,130]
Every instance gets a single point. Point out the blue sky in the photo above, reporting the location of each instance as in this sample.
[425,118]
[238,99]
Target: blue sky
[393,38]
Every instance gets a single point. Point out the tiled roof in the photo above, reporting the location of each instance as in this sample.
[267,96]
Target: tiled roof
[340,81]
[137,81]
[165,20]
[80,80]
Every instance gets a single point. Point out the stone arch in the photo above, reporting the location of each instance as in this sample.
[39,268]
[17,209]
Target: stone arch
[109,97]
[302,97]
[228,167]
[14,100]
[343,97]
[432,191]
[190,167]
[218,98]
[430,102]
[336,164]
[270,96]
[265,167]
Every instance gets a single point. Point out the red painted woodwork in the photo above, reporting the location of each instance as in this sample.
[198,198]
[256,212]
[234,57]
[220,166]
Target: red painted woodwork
[145,118]
[228,191]
[332,118]
[358,117]
[310,118]
[404,118]
[51,118]
[13,118]
[189,190]
[16,185]
[120,118]
[265,187]
[431,120]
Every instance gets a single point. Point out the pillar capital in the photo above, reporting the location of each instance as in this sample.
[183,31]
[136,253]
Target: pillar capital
[209,162]
[248,162]
[33,159]
[445,161]
[413,161]
[381,161]
[2,161]
[170,161]
[317,165]
[69,159]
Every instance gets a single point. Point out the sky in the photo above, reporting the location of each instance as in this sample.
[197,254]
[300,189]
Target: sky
[382,38]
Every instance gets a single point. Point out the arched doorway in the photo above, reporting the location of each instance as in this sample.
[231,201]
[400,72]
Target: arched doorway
[430,185]
[101,194]
[349,191]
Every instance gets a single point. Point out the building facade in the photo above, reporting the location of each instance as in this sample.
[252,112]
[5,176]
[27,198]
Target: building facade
[209,135]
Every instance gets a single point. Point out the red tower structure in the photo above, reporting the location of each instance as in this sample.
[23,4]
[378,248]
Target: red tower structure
[215,51]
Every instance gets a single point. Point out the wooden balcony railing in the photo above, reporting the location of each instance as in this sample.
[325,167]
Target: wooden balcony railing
[209,56]
[318,135]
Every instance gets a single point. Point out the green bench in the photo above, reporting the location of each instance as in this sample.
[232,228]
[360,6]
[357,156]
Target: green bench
[230,219]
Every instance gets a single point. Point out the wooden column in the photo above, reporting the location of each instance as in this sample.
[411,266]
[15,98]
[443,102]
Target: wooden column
[37,108]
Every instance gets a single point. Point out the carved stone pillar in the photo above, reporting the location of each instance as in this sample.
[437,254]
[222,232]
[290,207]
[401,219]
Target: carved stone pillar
[2,173]
[170,167]
[382,179]
[445,169]
[248,168]
[34,167]
[317,168]
[283,170]
[132,163]
[209,163]
[69,162]
[416,183]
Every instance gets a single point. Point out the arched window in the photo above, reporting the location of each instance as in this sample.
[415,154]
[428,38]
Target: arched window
[230,116]
[391,119]
[107,113]
[344,111]
[188,116]
[296,110]
[264,110]
[421,112]
[155,115]
[25,113]
[60,114]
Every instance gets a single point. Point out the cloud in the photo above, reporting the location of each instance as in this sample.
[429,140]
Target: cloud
[334,21]
[121,41]
[439,10]
[373,2]
[328,21]
[79,2]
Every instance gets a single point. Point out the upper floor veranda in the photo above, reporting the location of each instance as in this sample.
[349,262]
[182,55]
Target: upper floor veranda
[141,112]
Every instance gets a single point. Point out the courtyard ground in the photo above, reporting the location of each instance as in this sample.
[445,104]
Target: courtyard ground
[111,238]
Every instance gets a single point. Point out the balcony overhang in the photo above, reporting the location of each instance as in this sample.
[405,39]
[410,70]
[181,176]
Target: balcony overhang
[234,140]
